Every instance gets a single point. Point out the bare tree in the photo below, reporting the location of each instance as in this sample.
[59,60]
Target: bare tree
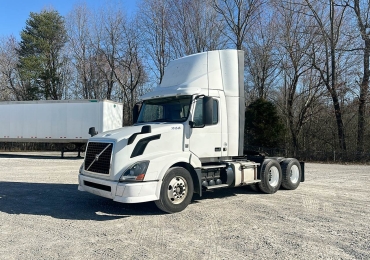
[329,20]
[130,73]
[154,18]
[261,59]
[79,28]
[109,25]
[194,27]
[106,54]
[361,10]
[13,87]
[239,16]
[301,83]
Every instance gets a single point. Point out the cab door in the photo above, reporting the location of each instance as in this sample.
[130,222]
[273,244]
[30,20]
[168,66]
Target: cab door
[205,140]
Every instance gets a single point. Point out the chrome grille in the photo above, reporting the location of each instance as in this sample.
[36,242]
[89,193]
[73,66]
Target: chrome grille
[98,157]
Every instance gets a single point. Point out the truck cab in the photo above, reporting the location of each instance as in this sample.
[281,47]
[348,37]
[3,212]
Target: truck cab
[187,137]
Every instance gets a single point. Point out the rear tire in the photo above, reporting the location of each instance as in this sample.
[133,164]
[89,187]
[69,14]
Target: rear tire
[292,173]
[270,176]
[176,191]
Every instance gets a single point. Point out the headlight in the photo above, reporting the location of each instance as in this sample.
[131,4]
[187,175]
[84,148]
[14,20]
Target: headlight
[136,172]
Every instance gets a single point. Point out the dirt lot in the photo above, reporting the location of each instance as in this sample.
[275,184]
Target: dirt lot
[44,216]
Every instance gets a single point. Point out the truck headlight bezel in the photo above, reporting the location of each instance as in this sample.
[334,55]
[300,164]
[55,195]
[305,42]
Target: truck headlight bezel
[136,172]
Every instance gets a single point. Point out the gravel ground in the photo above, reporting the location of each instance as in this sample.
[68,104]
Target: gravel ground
[44,216]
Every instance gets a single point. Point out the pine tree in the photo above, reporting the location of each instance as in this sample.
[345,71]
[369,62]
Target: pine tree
[40,54]
[263,126]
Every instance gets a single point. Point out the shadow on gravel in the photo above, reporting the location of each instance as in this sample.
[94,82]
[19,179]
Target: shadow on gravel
[38,156]
[64,201]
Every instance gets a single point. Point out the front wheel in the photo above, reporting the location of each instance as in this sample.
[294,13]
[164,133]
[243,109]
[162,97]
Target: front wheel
[270,176]
[176,191]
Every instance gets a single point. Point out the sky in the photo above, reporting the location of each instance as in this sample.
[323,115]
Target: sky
[14,13]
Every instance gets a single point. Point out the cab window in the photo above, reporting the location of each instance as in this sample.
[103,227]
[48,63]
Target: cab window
[198,113]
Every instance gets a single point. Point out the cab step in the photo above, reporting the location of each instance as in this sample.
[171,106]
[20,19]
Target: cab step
[216,186]
[226,185]
[216,166]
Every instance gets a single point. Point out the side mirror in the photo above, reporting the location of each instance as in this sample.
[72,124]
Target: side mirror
[135,112]
[207,110]
[92,131]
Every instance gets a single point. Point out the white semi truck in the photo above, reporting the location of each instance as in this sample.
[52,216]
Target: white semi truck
[187,137]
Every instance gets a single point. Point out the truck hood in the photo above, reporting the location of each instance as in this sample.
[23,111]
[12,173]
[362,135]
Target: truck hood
[127,131]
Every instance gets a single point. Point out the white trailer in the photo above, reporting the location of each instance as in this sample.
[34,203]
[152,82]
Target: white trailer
[188,137]
[57,121]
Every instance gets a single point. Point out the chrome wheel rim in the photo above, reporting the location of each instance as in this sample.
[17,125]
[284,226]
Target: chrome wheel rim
[177,190]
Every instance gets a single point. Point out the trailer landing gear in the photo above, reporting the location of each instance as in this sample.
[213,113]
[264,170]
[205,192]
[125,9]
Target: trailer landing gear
[75,147]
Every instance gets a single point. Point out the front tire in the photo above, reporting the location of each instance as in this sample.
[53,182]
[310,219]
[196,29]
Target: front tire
[270,176]
[176,191]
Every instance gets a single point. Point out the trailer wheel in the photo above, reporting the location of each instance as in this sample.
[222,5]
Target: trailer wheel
[291,169]
[176,191]
[270,176]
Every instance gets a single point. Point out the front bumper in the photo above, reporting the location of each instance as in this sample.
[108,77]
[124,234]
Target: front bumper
[125,192]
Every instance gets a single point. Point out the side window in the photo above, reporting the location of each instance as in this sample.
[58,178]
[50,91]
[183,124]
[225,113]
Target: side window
[198,113]
[215,112]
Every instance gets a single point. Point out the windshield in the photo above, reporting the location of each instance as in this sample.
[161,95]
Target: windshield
[171,109]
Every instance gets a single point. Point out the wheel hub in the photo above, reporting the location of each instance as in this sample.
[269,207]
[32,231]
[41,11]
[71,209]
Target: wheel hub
[177,190]
[273,176]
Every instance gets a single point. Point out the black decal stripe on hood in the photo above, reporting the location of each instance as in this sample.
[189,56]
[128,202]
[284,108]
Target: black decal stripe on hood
[141,145]
[146,129]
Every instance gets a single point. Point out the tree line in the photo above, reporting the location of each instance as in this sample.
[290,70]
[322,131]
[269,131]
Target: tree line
[309,58]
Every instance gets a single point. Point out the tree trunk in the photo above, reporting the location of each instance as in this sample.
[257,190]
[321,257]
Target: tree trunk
[338,117]
[362,99]
[333,87]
